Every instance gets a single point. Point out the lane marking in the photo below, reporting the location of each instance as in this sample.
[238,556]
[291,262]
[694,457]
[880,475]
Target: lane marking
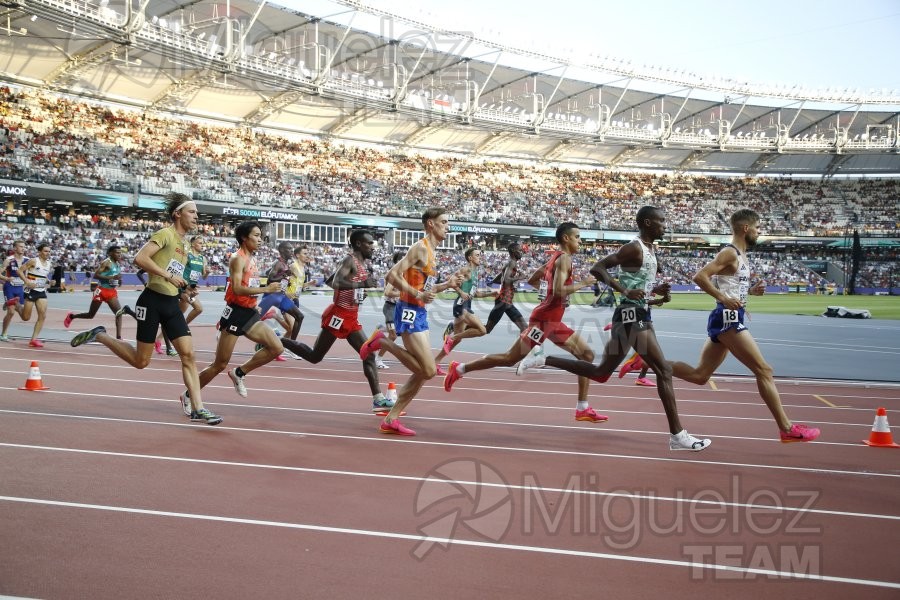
[411,478]
[481,421]
[822,398]
[393,440]
[446,542]
[712,384]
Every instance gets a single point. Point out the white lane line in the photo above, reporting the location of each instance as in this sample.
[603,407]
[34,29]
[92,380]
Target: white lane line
[446,542]
[599,429]
[419,442]
[447,481]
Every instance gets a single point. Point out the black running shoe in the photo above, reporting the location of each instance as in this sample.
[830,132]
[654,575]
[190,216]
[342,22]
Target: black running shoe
[87,336]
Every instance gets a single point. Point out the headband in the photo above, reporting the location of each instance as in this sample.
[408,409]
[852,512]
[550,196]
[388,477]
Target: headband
[182,205]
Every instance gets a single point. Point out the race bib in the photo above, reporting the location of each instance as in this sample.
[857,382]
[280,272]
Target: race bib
[459,301]
[175,268]
[113,283]
[743,290]
[542,290]
[226,313]
[284,285]
[359,295]
[535,334]
[335,322]
[253,283]
[629,314]
[140,312]
[429,284]
[408,316]
[730,316]
[194,277]
[17,281]
[648,288]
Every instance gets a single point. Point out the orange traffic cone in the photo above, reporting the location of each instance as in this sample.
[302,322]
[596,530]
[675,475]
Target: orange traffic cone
[34,383]
[881,432]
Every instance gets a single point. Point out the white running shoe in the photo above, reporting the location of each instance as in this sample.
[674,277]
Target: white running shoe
[238,382]
[685,441]
[186,404]
[380,363]
[534,360]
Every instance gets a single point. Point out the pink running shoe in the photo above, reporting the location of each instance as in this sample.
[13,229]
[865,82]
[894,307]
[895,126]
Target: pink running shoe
[269,314]
[440,370]
[395,427]
[644,381]
[452,376]
[157,345]
[68,320]
[589,414]
[373,344]
[448,344]
[799,433]
[40,344]
[12,301]
[280,358]
[607,327]
[635,363]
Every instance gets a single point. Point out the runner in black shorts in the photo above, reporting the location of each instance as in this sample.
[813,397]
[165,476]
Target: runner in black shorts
[391,294]
[163,257]
[503,305]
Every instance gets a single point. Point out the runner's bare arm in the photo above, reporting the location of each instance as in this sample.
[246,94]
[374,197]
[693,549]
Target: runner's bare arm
[725,263]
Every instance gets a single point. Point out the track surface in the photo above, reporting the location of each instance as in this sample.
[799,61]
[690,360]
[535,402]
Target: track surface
[107,491]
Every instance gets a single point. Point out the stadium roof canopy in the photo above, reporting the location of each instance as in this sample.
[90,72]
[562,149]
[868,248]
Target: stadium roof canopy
[346,71]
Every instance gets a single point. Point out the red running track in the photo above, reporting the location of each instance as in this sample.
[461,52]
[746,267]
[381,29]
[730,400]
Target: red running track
[107,491]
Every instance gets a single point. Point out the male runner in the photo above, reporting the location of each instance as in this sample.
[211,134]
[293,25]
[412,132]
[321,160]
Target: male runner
[341,319]
[109,274]
[36,274]
[632,325]
[727,279]
[163,257]
[465,324]
[240,316]
[13,286]
[503,305]
[391,295]
[556,283]
[281,273]
[415,277]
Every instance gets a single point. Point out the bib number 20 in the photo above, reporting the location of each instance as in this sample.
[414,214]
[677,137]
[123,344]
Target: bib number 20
[629,314]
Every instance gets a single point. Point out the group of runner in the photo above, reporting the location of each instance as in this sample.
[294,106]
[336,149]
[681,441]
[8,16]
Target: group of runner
[174,268]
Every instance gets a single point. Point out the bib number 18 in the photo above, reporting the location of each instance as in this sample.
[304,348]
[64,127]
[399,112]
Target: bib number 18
[729,315]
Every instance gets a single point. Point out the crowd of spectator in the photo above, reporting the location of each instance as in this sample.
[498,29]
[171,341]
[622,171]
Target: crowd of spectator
[54,139]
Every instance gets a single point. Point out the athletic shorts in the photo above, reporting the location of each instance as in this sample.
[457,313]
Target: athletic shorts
[34,295]
[500,309]
[18,291]
[460,306]
[102,294]
[153,309]
[555,331]
[722,319]
[278,300]
[340,322]
[388,311]
[410,318]
[237,320]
